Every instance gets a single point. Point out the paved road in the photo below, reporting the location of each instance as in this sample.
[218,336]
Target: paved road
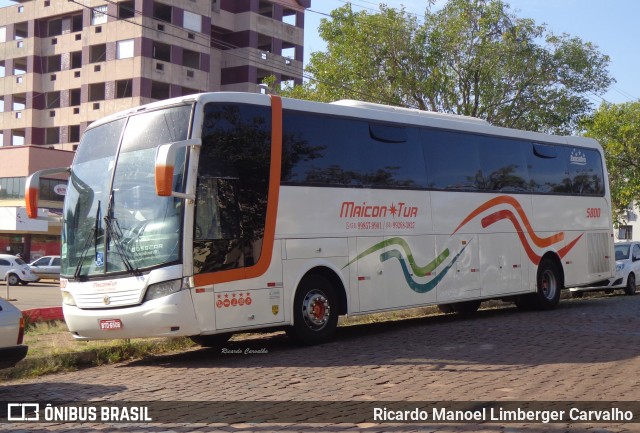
[588,349]
[45,293]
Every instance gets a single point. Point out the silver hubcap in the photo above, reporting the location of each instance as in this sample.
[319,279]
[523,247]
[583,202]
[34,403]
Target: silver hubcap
[549,284]
[316,310]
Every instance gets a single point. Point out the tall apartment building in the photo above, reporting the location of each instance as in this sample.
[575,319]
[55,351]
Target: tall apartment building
[66,63]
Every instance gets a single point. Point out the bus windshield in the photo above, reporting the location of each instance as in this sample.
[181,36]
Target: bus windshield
[114,221]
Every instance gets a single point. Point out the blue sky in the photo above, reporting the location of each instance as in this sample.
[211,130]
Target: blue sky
[611,25]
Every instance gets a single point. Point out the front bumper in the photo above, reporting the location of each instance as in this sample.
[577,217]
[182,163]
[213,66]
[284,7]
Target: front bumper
[169,316]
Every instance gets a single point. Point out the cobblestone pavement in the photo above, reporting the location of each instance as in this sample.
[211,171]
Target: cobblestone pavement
[586,350]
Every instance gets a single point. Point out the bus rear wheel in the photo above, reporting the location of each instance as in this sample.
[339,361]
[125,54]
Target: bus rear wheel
[315,311]
[549,283]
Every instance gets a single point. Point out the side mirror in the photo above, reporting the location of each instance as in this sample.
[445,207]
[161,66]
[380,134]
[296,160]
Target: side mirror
[32,188]
[164,167]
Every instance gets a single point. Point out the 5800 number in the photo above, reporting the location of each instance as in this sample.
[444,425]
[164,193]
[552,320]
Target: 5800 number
[593,212]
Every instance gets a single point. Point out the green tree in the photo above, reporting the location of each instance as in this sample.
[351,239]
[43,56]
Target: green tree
[617,128]
[472,57]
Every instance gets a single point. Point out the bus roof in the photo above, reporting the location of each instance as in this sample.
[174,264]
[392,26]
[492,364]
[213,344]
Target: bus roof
[367,110]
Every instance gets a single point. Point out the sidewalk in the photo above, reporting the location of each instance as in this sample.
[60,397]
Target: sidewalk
[38,301]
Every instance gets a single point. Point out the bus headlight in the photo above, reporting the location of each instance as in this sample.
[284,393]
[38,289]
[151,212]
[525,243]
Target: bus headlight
[67,298]
[160,290]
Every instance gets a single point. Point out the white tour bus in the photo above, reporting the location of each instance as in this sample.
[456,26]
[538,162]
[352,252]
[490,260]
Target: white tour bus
[218,213]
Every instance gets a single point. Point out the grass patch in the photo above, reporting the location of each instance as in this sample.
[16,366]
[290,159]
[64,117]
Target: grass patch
[52,349]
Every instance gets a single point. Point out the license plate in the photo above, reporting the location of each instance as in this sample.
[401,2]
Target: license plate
[110,324]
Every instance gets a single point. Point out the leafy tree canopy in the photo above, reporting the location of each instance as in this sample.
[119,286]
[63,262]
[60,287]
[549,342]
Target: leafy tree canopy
[472,57]
[617,128]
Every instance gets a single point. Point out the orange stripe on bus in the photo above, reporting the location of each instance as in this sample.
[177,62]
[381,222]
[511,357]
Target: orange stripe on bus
[538,241]
[264,261]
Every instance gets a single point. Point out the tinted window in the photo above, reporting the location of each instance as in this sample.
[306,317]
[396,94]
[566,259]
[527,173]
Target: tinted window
[504,165]
[233,186]
[331,151]
[585,171]
[453,160]
[55,261]
[548,169]
[4,262]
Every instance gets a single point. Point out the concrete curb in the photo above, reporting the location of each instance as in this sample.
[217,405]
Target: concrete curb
[43,314]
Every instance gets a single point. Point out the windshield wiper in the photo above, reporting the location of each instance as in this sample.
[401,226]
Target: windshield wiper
[114,232]
[93,235]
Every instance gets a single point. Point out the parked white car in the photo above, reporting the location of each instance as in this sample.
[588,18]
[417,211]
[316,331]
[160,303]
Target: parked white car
[46,267]
[14,270]
[627,273]
[11,335]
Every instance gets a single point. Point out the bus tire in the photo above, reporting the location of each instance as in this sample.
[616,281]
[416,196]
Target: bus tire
[315,311]
[549,283]
[213,340]
[630,288]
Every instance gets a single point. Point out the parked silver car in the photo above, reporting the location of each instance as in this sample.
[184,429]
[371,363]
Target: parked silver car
[627,256]
[11,335]
[14,270]
[46,267]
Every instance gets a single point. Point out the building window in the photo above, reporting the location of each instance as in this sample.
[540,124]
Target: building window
[191,59]
[20,66]
[55,27]
[124,88]
[2,69]
[192,22]
[1,109]
[625,232]
[160,90]
[126,9]
[289,16]
[53,99]
[76,59]
[99,15]
[74,133]
[3,34]
[96,92]
[161,51]
[12,187]
[97,53]
[162,12]
[17,137]
[124,49]
[74,97]
[54,63]
[52,136]
[19,102]
[76,24]
[20,31]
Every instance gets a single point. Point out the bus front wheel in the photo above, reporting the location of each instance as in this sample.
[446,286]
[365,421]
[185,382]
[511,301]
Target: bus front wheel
[315,311]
